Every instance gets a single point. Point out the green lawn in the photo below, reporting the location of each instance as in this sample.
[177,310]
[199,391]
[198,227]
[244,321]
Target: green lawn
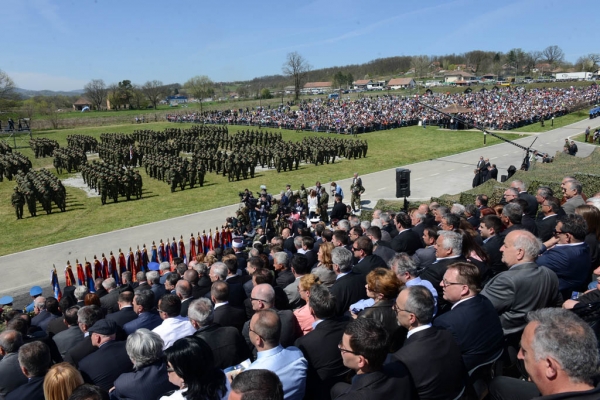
[559,122]
[86,216]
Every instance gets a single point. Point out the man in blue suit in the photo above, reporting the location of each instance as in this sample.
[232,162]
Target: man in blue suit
[472,320]
[143,305]
[569,255]
[34,359]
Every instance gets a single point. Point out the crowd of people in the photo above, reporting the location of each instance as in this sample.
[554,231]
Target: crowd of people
[415,304]
[501,109]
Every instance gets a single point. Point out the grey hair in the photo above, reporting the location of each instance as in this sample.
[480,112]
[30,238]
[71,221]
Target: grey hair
[109,283]
[420,302]
[513,190]
[89,315]
[514,212]
[530,245]
[220,270]
[144,347]
[594,201]
[564,336]
[40,302]
[545,192]
[365,225]
[342,257]
[576,186]
[201,268]
[344,225]
[201,311]
[353,220]
[451,240]
[402,263]
[457,209]
[298,242]
[153,276]
[80,292]
[519,185]
[11,340]
[377,223]
[281,257]
[164,266]
[385,217]
[419,216]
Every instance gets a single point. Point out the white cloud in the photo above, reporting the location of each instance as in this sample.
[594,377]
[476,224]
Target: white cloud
[42,81]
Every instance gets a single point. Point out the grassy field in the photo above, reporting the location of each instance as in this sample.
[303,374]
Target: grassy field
[86,216]
[559,122]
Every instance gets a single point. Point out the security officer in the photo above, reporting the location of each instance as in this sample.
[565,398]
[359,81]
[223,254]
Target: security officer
[18,201]
[34,292]
[357,190]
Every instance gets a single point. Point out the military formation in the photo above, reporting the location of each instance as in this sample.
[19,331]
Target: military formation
[12,163]
[5,148]
[87,144]
[38,186]
[112,181]
[69,158]
[176,171]
[43,147]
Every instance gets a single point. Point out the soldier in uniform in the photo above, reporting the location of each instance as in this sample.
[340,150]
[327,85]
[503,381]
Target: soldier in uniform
[102,189]
[18,201]
[357,190]
[31,203]
[303,194]
[323,205]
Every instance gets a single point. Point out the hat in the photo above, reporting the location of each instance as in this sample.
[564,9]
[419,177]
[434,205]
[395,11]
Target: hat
[263,187]
[238,243]
[315,220]
[105,327]
[35,291]
[153,266]
[6,300]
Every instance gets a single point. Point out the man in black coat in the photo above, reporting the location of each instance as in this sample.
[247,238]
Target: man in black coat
[407,241]
[224,313]
[147,317]
[159,290]
[67,339]
[125,313]
[86,317]
[364,349]
[283,275]
[110,302]
[532,204]
[106,364]
[227,344]
[349,286]
[325,365]
[379,248]
[443,376]
[34,360]
[489,229]
[547,224]
[339,210]
[11,375]
[367,261]
[58,325]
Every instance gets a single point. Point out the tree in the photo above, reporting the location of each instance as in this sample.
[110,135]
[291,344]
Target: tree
[421,65]
[553,55]
[154,91]
[138,98]
[588,63]
[7,86]
[296,67]
[95,92]
[200,87]
[265,94]
[125,92]
[517,59]
[476,59]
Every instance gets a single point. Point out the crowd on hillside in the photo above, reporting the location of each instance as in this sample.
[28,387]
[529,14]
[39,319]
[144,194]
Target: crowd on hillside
[403,305]
[502,109]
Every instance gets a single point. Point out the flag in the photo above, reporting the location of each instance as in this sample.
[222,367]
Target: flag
[229,238]
[69,277]
[122,263]
[182,248]
[130,261]
[204,242]
[138,260]
[224,238]
[173,250]
[105,269]
[200,244]
[89,277]
[192,248]
[154,252]
[162,254]
[55,285]
[113,270]
[217,242]
[210,240]
[80,273]
[145,260]
[167,252]
[97,268]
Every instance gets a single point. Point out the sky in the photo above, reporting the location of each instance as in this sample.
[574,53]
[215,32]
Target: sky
[64,44]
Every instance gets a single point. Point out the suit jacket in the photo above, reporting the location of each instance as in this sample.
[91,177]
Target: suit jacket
[492,249]
[227,344]
[284,278]
[311,258]
[242,259]
[202,288]
[226,315]
[419,229]
[529,224]
[383,313]
[11,376]
[393,382]
[368,264]
[80,351]
[532,204]
[571,263]
[435,273]
[32,390]
[476,329]
[237,294]
[43,319]
[546,227]
[524,287]
[55,326]
[474,221]
[148,320]
[110,302]
[291,291]
[443,375]
[159,291]
[324,358]
[572,204]
[338,211]
[185,306]
[383,251]
[424,257]
[347,290]
[148,382]
[105,365]
[123,316]
[407,241]
[66,340]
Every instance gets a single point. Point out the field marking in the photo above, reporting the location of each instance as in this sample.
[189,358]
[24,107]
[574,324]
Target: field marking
[434,174]
[418,179]
[451,170]
[493,158]
[504,155]
[465,166]
[381,189]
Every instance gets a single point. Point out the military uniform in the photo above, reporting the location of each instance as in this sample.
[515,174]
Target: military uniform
[18,202]
[357,190]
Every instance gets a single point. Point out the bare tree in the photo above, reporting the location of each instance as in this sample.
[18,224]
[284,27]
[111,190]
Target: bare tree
[476,59]
[154,91]
[96,92]
[138,97]
[200,87]
[553,55]
[7,86]
[296,67]
[421,65]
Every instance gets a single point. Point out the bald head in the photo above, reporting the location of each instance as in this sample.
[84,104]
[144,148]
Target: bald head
[183,289]
[265,295]
[191,276]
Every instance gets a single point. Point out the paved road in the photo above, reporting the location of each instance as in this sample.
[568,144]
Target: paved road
[435,177]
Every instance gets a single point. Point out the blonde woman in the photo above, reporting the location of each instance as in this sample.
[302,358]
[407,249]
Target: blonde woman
[60,381]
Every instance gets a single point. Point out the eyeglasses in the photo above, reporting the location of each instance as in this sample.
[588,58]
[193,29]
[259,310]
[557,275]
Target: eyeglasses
[446,283]
[397,309]
[253,299]
[556,233]
[169,370]
[355,249]
[253,331]
[343,350]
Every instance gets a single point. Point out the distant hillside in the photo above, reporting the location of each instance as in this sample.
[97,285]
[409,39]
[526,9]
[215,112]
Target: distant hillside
[32,93]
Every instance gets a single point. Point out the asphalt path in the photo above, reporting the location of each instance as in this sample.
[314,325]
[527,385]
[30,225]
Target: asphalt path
[446,175]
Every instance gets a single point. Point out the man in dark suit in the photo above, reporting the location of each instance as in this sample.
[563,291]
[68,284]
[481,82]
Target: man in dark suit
[489,229]
[512,214]
[48,311]
[472,320]
[283,275]
[227,344]
[67,339]
[493,172]
[192,276]
[426,256]
[58,325]
[34,360]
[338,211]
[407,241]
[86,317]
[153,278]
[237,294]
[11,375]
[418,221]
[307,244]
[532,204]
[388,225]
[106,364]
[126,313]
[183,290]
[224,313]
[444,375]
[325,365]
[472,215]
[349,286]
[364,349]
[379,249]
[147,317]
[547,223]
[79,293]
[111,300]
[362,249]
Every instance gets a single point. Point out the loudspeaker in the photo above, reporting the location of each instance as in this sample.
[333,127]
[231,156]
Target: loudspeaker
[402,182]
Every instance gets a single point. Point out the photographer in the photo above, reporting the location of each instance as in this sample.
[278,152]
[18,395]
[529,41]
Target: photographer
[262,210]
[250,202]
